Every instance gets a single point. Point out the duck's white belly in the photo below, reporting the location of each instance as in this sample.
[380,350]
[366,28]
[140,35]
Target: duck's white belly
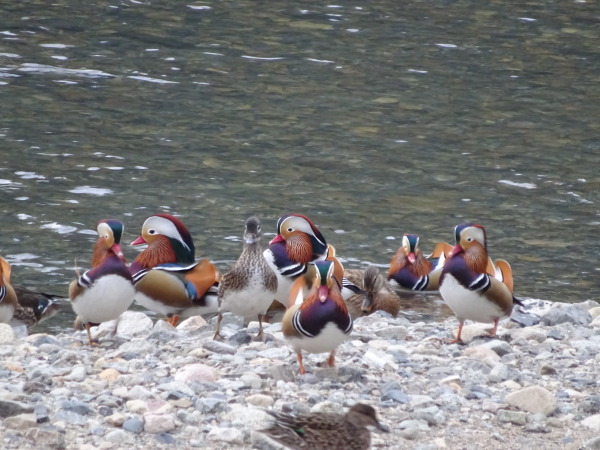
[467,304]
[326,341]
[254,299]
[105,300]
[6,313]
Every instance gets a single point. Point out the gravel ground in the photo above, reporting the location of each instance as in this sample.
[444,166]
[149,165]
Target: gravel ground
[149,385]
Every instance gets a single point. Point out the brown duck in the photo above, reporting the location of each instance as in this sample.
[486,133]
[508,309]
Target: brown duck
[326,431]
[377,296]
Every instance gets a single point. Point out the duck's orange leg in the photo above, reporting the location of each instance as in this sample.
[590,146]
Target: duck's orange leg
[493,332]
[173,320]
[458,339]
[299,357]
[331,359]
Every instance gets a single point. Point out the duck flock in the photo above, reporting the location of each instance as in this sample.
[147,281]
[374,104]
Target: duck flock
[296,274]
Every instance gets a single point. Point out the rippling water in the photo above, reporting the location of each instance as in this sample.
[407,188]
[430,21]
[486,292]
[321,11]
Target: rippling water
[374,119]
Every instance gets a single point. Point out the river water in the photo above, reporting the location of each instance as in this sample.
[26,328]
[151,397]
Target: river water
[372,118]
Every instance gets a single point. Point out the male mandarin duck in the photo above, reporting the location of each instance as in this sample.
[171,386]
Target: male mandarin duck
[321,322]
[466,286]
[167,278]
[410,269]
[249,288]
[349,287]
[105,291]
[326,431]
[376,293]
[8,298]
[298,242]
[34,307]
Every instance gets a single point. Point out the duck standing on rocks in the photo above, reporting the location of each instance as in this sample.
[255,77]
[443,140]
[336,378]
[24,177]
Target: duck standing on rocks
[105,291]
[410,269]
[321,322]
[465,286]
[167,278]
[377,294]
[34,307]
[325,431]
[298,242]
[249,288]
[8,298]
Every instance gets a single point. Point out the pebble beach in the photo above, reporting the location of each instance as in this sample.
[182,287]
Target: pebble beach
[150,385]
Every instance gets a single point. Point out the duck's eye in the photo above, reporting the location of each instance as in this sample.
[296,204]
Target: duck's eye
[258,228]
[469,239]
[106,236]
[290,229]
[151,231]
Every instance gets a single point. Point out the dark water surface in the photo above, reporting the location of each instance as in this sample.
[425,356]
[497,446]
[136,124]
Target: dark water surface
[373,118]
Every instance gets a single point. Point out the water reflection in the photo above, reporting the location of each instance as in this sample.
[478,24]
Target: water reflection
[374,119]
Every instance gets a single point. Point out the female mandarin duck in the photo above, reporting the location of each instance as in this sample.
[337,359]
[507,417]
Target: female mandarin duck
[466,286]
[166,276]
[8,298]
[249,288]
[298,242]
[321,322]
[376,294]
[410,269]
[105,291]
[326,431]
[34,307]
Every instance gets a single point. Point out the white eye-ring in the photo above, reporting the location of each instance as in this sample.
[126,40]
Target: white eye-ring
[290,229]
[151,231]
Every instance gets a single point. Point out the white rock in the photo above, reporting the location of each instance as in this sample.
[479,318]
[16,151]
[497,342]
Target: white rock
[260,400]
[328,407]
[595,312]
[592,422]
[248,417]
[196,372]
[596,322]
[133,323]
[192,324]
[534,399]
[158,423]
[7,335]
[529,334]
[481,352]
[378,359]
[229,435]
[78,373]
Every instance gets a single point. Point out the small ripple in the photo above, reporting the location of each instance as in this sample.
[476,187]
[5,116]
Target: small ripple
[90,190]
[151,80]
[519,185]
[42,69]
[59,228]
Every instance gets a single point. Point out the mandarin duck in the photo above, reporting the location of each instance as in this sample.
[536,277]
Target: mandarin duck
[249,288]
[349,287]
[167,278]
[298,242]
[410,269]
[321,322]
[34,307]
[467,288]
[105,291]
[376,295]
[8,298]
[325,431]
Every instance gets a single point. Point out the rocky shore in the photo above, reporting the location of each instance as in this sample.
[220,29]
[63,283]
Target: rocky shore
[149,385]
